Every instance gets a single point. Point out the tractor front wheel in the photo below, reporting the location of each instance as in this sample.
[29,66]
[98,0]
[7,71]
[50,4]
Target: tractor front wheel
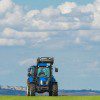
[32,90]
[55,89]
[50,93]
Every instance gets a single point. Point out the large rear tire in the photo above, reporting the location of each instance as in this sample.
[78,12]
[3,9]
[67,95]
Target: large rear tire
[32,90]
[55,89]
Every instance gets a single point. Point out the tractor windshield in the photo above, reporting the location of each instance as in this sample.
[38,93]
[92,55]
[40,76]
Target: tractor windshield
[43,72]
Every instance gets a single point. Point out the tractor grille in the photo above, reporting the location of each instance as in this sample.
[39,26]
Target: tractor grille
[42,88]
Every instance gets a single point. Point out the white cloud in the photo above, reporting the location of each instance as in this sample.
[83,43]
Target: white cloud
[46,19]
[87,8]
[32,13]
[96,14]
[28,62]
[49,25]
[37,26]
[34,38]
[11,42]
[90,35]
[13,18]
[50,12]
[67,7]
[11,14]
[94,8]
[96,20]
[5,5]
[11,33]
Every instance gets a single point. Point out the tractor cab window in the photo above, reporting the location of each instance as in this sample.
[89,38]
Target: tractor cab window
[43,72]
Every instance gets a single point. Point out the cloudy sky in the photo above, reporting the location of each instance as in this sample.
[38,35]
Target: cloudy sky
[68,30]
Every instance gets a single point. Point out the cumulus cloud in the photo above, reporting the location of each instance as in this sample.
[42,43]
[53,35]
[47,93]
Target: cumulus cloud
[11,42]
[87,8]
[35,26]
[50,12]
[32,13]
[95,10]
[67,7]
[11,33]
[31,37]
[5,5]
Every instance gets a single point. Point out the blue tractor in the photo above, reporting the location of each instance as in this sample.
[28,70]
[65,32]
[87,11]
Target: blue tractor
[41,79]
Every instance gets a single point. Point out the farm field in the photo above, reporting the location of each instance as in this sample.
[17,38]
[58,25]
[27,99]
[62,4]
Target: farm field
[50,98]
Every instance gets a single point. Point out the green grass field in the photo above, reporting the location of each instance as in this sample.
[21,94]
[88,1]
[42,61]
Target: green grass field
[50,98]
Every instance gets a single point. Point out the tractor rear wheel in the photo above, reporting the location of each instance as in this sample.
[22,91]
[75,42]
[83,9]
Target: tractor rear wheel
[55,90]
[32,90]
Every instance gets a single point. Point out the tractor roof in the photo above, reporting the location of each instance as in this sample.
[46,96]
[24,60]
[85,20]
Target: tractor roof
[49,60]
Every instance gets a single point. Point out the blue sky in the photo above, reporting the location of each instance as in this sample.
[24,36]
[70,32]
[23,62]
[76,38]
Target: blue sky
[68,30]
[39,4]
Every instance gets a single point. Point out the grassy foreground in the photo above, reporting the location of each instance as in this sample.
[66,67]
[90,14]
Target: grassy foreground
[50,98]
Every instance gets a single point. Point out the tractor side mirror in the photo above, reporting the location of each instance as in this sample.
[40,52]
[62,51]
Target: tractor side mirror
[56,69]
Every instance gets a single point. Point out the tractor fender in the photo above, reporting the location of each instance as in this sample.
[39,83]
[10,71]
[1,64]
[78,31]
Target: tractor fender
[30,79]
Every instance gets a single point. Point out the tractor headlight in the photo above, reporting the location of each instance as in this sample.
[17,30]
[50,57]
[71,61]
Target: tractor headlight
[41,82]
[44,83]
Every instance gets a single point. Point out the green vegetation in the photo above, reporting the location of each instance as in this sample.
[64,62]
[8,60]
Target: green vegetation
[50,98]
